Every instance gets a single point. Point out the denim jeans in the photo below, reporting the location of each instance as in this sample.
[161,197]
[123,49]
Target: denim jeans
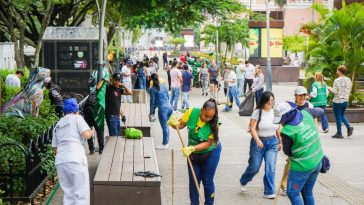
[233,93]
[164,113]
[205,172]
[324,121]
[142,82]
[186,98]
[174,97]
[258,94]
[339,111]
[256,155]
[240,86]
[302,182]
[113,123]
[127,98]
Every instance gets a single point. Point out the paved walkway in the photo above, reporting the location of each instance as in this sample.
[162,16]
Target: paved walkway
[344,184]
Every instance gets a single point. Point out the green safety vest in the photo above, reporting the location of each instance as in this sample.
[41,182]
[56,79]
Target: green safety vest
[198,135]
[321,98]
[307,152]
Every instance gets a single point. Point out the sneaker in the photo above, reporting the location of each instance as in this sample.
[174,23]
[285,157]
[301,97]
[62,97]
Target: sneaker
[203,93]
[284,192]
[92,152]
[350,131]
[230,109]
[225,110]
[163,147]
[326,130]
[100,152]
[338,136]
[206,94]
[243,188]
[269,196]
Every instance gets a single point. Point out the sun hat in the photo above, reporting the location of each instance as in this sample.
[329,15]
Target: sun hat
[281,109]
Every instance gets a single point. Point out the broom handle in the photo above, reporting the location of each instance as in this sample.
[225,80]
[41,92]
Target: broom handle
[285,171]
[190,164]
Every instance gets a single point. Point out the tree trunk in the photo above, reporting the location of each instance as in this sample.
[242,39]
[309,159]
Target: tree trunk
[45,22]
[226,50]
[111,32]
[232,54]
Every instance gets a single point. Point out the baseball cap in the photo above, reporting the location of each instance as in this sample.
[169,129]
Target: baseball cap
[228,64]
[117,76]
[70,105]
[300,90]
[282,108]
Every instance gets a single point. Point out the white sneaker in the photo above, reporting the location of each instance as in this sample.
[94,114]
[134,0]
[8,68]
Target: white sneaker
[163,147]
[270,196]
[284,192]
[243,188]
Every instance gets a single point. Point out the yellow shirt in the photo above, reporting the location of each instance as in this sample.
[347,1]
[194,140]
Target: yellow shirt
[161,81]
[186,117]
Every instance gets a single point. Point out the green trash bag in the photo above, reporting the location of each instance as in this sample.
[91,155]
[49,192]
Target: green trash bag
[132,133]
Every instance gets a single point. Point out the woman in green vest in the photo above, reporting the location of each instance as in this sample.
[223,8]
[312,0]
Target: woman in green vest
[319,93]
[301,142]
[204,147]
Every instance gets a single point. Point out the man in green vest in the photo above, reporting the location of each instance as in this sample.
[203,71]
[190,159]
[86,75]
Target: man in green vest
[301,142]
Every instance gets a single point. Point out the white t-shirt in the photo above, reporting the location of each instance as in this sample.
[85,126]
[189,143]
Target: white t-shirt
[68,140]
[266,127]
[175,78]
[249,74]
[12,81]
[150,71]
[232,76]
[125,70]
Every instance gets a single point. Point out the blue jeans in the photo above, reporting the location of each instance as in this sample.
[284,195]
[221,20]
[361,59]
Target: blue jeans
[258,94]
[164,113]
[186,97]
[339,111]
[240,86]
[302,182]
[324,121]
[233,93]
[256,155]
[205,172]
[113,123]
[174,97]
[142,82]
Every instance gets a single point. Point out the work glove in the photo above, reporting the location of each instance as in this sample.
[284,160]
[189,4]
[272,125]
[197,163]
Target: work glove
[123,119]
[173,121]
[187,151]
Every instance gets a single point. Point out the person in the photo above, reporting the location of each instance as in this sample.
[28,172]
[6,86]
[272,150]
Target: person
[133,75]
[13,80]
[92,81]
[165,59]
[186,86]
[126,73]
[232,89]
[319,93]
[214,75]
[296,62]
[156,62]
[142,72]
[203,77]
[301,94]
[249,75]
[150,71]
[301,142]
[225,78]
[258,84]
[204,147]
[341,89]
[55,95]
[113,102]
[169,67]
[71,161]
[240,72]
[265,144]
[176,80]
[145,58]
[159,98]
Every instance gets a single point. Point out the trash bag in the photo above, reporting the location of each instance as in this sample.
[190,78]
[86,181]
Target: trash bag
[132,133]
[246,108]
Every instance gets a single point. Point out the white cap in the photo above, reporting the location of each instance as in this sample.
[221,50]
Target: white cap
[300,90]
[282,108]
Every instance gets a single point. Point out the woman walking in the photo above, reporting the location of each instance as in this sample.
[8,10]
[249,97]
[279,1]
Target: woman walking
[258,83]
[265,144]
[203,77]
[204,148]
[341,89]
[319,93]
[159,98]
[214,75]
[142,73]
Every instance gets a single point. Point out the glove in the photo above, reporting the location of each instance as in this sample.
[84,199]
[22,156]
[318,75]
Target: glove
[187,151]
[173,121]
[123,119]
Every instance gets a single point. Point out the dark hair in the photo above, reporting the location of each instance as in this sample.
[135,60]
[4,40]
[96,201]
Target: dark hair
[185,67]
[202,65]
[214,122]
[19,72]
[262,101]
[155,80]
[174,64]
[342,69]
[246,62]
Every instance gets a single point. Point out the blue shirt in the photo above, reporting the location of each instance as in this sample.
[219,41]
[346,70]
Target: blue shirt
[158,98]
[187,77]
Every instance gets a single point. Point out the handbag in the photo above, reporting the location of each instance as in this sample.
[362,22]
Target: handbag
[325,165]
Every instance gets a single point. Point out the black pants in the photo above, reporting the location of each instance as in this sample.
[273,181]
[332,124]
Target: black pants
[169,79]
[249,82]
[87,114]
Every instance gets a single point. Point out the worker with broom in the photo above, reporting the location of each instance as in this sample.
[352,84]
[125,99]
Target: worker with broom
[204,147]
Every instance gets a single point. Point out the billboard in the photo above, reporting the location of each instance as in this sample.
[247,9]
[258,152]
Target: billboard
[254,42]
[276,42]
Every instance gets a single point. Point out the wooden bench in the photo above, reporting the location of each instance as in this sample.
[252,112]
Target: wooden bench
[115,183]
[137,116]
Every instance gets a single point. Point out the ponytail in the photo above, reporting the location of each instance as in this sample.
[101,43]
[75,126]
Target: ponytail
[214,122]
[155,80]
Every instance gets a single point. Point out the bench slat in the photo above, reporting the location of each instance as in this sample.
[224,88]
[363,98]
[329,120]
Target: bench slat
[128,164]
[117,163]
[150,161]
[103,170]
[138,159]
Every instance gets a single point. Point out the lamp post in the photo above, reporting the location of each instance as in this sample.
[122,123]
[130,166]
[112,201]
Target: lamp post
[217,44]
[269,69]
[101,38]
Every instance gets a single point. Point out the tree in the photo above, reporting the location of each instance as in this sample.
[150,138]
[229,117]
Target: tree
[176,42]
[294,43]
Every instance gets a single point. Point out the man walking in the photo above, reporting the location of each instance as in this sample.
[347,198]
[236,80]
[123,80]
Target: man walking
[240,72]
[176,80]
[249,75]
[126,76]
[165,59]
[186,87]
[232,90]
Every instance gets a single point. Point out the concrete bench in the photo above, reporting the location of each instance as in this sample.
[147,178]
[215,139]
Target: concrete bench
[115,183]
[137,116]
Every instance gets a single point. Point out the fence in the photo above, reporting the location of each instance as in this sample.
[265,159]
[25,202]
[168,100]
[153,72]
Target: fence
[32,175]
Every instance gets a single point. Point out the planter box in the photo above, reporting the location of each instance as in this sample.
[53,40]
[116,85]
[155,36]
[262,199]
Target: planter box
[354,115]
